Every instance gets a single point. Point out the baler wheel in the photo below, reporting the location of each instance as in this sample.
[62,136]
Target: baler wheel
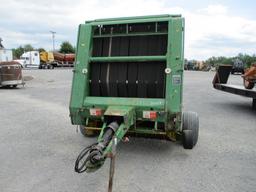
[248,84]
[86,132]
[190,129]
[188,139]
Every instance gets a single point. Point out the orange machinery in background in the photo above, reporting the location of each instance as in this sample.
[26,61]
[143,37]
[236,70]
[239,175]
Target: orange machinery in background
[250,77]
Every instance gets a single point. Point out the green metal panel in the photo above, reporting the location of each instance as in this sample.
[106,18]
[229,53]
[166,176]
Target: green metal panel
[79,84]
[126,20]
[128,58]
[157,104]
[126,112]
[123,19]
[175,60]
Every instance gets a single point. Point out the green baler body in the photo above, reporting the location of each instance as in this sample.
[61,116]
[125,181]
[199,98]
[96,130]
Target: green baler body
[97,55]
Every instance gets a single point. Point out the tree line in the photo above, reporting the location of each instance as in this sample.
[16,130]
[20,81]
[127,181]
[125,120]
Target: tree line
[245,58]
[65,47]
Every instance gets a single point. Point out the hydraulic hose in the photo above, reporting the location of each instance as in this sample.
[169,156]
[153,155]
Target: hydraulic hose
[91,158]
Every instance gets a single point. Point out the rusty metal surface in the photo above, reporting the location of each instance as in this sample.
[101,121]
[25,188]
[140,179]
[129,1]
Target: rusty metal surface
[250,73]
[70,57]
[9,63]
[58,56]
[10,73]
[222,74]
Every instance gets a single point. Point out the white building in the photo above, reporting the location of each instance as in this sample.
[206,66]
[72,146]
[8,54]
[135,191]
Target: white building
[6,55]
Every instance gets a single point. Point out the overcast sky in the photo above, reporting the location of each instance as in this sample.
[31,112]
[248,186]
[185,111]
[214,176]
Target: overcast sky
[213,28]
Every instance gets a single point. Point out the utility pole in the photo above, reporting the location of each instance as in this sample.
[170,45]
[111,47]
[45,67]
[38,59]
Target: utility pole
[1,45]
[53,39]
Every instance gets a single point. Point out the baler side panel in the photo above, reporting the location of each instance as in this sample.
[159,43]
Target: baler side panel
[175,59]
[79,89]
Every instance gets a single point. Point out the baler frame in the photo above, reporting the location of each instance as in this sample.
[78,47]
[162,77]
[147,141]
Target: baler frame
[169,108]
[154,66]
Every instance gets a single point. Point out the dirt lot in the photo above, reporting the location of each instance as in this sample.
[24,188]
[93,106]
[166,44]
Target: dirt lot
[39,145]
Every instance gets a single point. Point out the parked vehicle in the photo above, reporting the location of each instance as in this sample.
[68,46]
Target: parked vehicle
[238,67]
[46,60]
[64,59]
[50,60]
[29,59]
[189,65]
[221,78]
[10,74]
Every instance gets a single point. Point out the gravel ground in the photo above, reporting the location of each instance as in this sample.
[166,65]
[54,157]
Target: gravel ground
[39,145]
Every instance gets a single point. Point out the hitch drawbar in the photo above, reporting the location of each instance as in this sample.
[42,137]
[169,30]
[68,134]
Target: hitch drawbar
[92,157]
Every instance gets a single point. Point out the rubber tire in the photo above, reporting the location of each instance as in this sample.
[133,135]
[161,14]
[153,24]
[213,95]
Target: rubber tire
[49,66]
[14,86]
[248,84]
[87,133]
[190,121]
[188,139]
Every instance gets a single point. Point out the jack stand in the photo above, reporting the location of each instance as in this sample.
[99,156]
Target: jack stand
[112,157]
